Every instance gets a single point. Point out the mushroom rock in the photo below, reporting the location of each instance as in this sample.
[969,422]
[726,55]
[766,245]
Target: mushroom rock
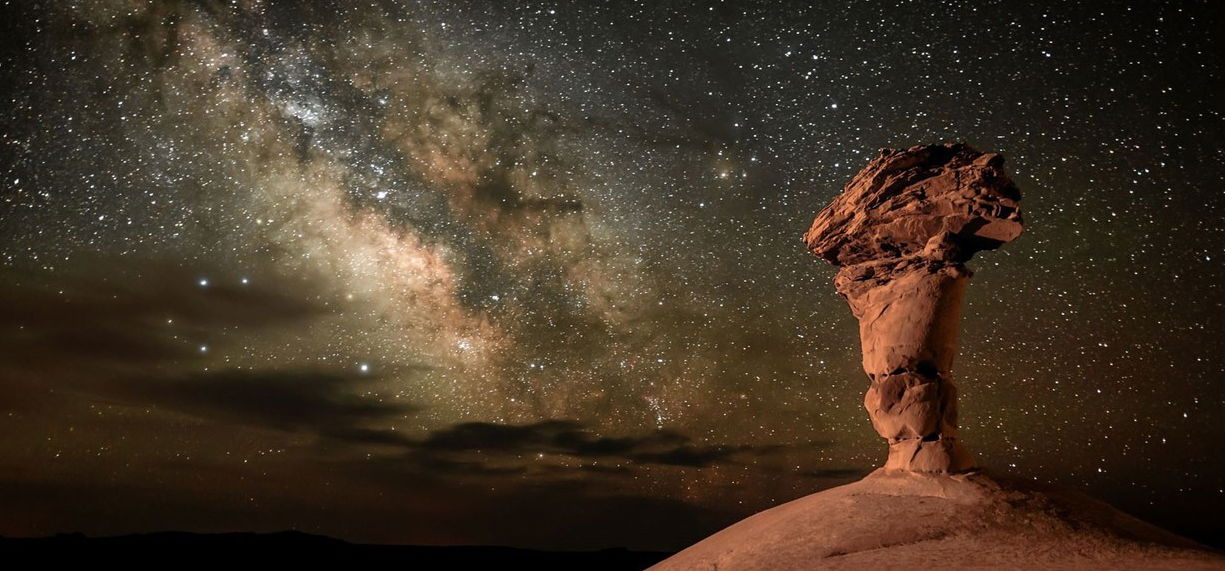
[901,232]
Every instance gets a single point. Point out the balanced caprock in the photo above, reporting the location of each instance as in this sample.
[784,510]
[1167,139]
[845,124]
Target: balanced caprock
[901,232]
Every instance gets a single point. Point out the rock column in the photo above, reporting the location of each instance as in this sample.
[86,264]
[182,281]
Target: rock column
[901,231]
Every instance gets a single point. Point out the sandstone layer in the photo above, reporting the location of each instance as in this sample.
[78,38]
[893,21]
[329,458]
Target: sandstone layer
[901,231]
[911,520]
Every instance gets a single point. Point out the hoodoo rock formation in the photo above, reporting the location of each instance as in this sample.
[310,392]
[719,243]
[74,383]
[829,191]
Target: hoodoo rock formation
[901,231]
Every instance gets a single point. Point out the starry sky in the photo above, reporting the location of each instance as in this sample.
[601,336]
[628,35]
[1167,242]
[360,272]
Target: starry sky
[531,274]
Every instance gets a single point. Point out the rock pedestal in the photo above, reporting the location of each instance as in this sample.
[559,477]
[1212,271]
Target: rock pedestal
[910,520]
[901,231]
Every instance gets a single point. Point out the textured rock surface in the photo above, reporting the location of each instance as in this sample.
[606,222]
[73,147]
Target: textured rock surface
[901,231]
[909,520]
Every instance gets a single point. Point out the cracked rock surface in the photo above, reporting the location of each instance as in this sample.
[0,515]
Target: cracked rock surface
[901,232]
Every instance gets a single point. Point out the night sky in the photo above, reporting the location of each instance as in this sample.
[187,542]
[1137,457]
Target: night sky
[531,274]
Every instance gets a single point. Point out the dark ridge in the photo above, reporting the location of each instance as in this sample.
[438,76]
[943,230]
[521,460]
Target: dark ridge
[173,548]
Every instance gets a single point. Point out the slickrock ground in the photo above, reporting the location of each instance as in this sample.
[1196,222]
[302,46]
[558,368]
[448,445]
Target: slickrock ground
[909,520]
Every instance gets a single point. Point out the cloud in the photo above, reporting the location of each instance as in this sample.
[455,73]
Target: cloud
[693,456]
[80,328]
[301,400]
[123,318]
[134,337]
[571,438]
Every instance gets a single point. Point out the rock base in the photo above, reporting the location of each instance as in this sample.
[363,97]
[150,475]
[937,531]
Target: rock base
[899,519]
[945,455]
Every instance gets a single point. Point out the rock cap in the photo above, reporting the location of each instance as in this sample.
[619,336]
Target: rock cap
[944,201]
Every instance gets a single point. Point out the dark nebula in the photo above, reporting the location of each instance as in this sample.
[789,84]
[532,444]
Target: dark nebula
[531,274]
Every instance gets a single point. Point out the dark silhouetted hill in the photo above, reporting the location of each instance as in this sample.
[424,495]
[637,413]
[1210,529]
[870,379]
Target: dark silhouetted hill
[290,547]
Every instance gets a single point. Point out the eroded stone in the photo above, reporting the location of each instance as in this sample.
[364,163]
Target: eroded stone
[901,231]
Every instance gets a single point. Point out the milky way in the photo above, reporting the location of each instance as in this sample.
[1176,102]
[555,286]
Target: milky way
[531,274]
